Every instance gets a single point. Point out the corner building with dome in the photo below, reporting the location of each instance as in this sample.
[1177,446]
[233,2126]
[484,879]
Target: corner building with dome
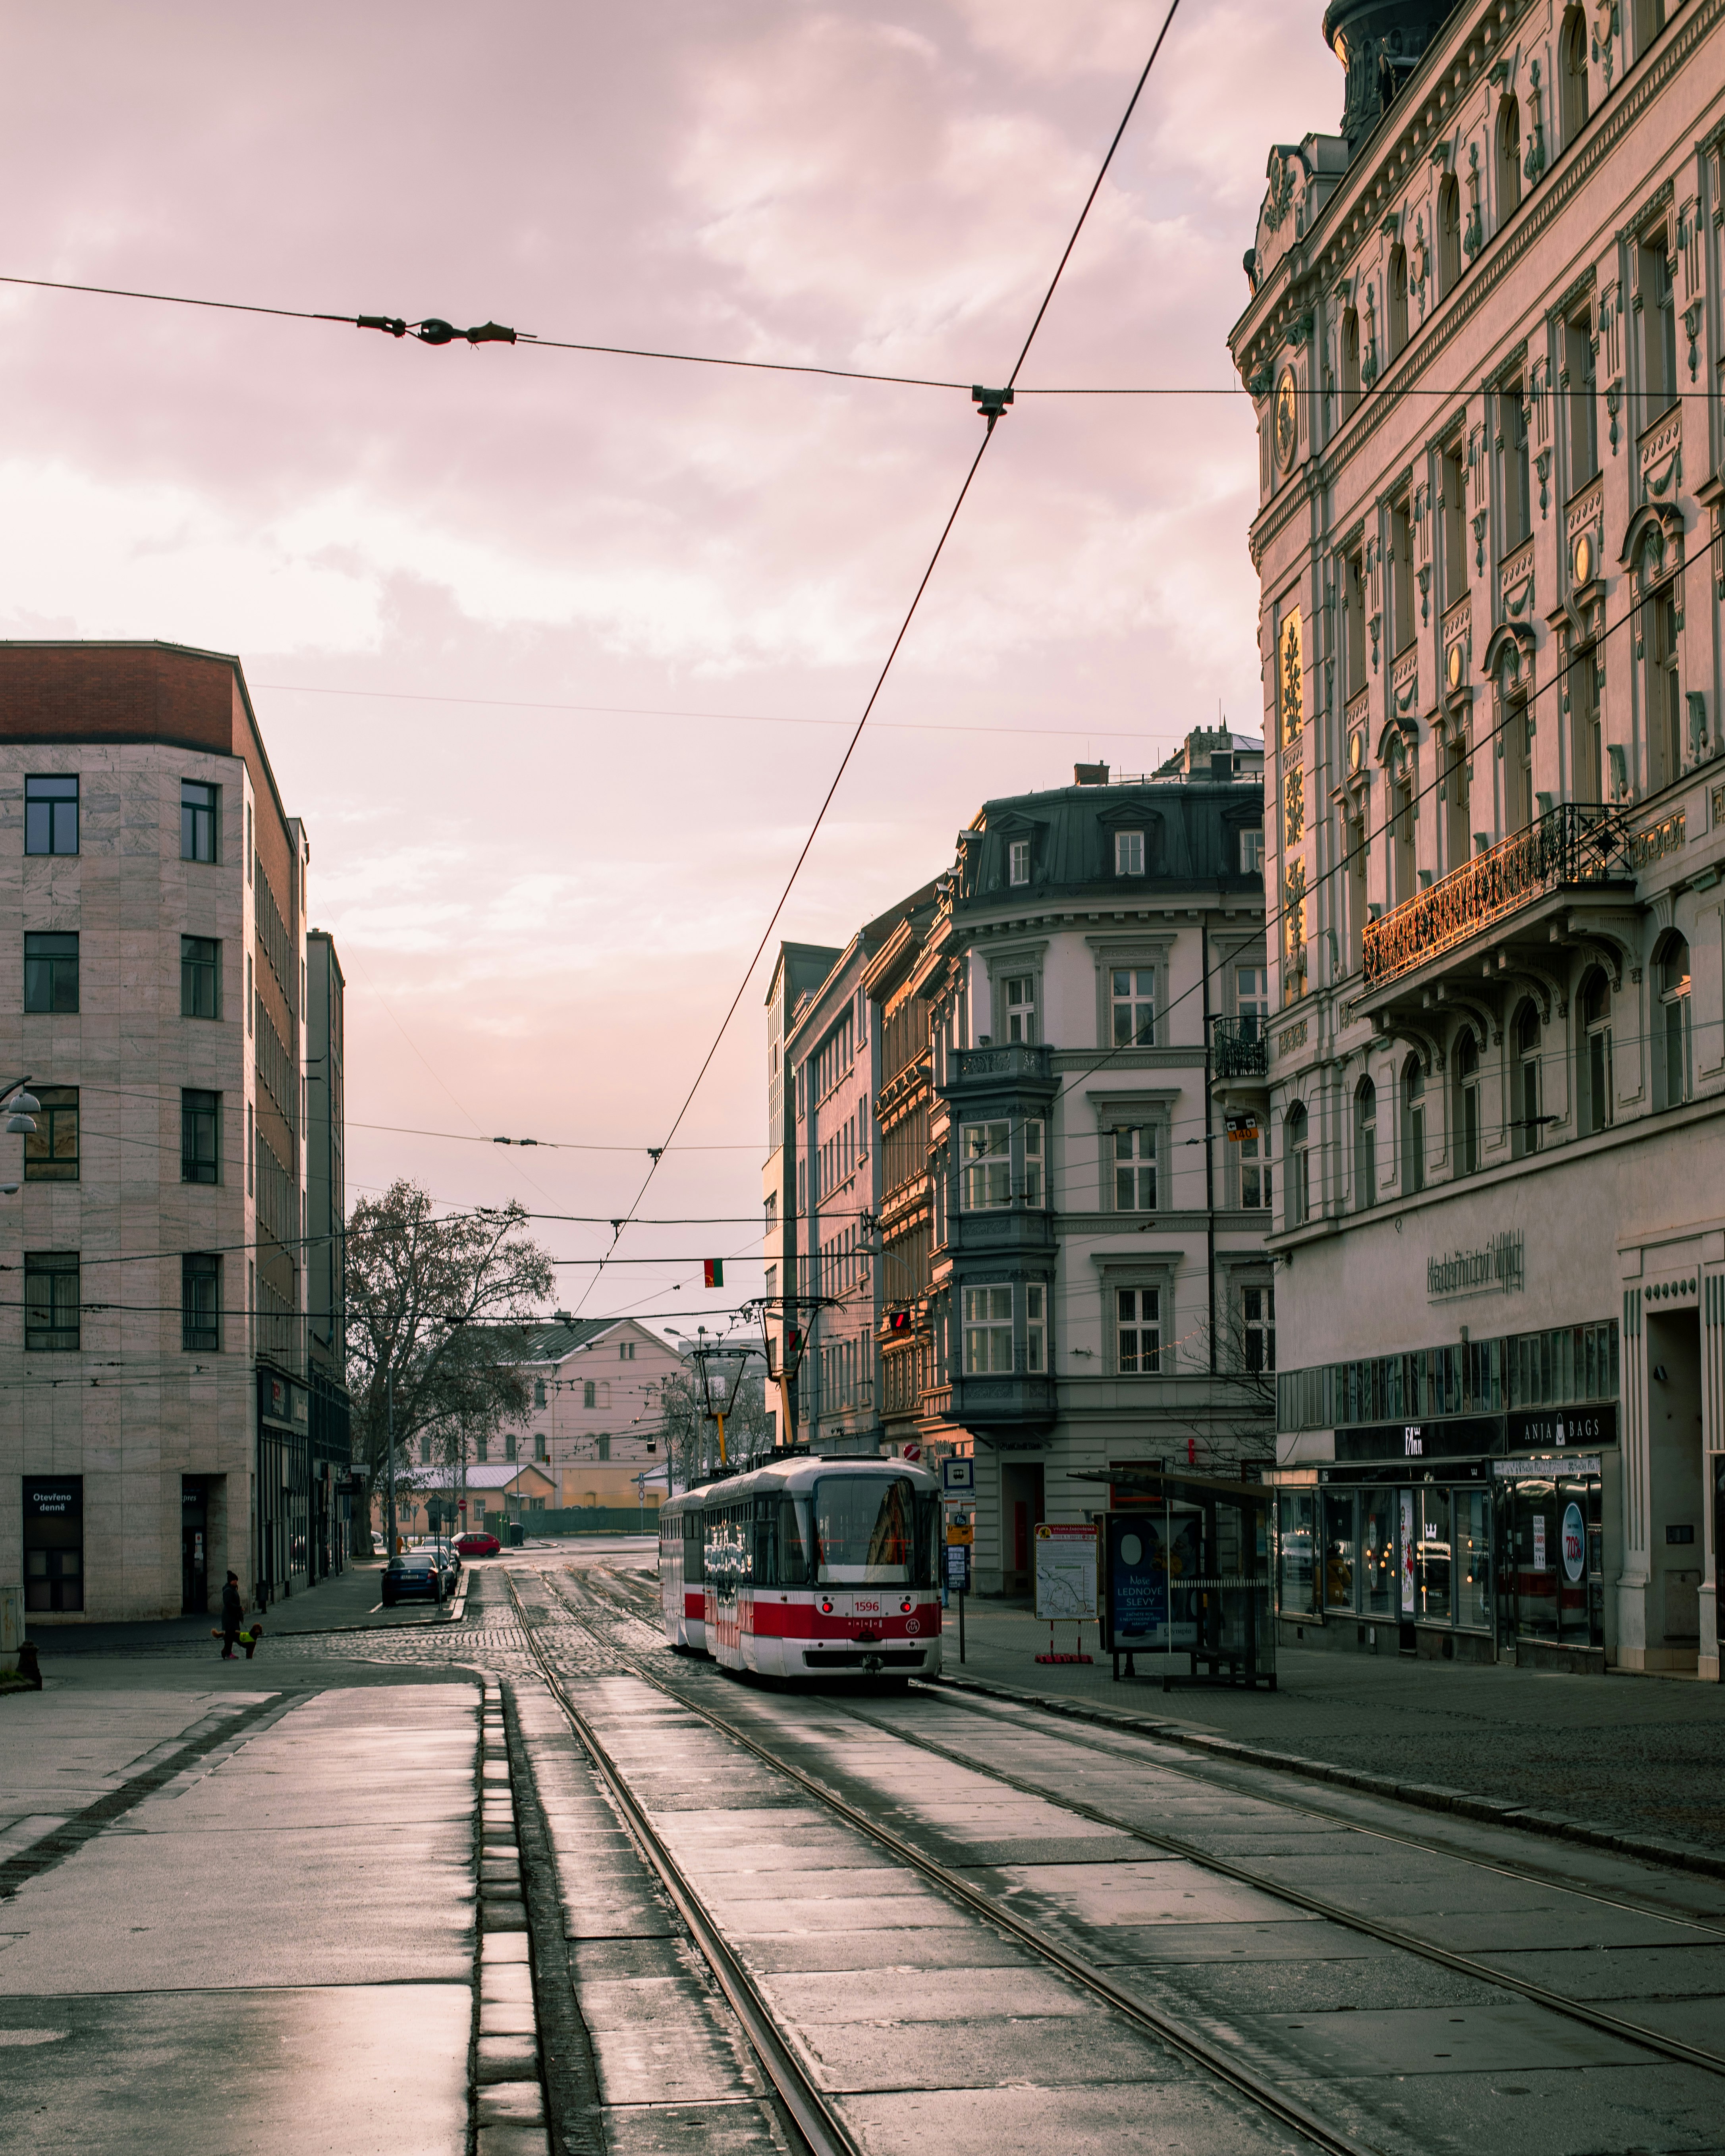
[1483,338]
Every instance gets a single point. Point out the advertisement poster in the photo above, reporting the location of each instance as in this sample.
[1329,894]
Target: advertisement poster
[1575,1543]
[1406,1552]
[1139,1583]
[1539,1541]
[1065,1571]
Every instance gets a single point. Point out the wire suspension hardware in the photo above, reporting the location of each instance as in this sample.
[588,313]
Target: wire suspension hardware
[434,330]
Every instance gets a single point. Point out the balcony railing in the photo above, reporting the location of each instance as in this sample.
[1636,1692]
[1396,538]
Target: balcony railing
[1239,1048]
[1573,845]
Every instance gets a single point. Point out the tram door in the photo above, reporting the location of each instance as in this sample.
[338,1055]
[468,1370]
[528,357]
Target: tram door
[194,1546]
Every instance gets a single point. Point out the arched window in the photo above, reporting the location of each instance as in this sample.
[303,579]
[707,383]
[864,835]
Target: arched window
[1350,361]
[1467,1106]
[1412,1125]
[1595,1054]
[1449,236]
[1509,159]
[1660,643]
[589,1393]
[1297,1155]
[1396,309]
[1572,74]
[1672,1039]
[1524,1085]
[539,1392]
[1365,1145]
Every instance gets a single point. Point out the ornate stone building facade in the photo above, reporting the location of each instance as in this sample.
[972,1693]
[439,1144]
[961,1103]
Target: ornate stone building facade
[1484,340]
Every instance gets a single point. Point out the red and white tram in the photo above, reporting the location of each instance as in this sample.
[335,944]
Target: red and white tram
[807,1567]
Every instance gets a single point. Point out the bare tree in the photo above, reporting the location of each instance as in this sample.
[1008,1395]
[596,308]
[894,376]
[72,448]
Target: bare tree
[691,1436]
[429,1303]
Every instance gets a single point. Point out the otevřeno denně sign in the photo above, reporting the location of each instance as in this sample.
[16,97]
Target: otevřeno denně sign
[1498,1267]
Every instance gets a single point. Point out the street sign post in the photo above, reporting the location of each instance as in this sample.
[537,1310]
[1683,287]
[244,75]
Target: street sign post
[957,1475]
[958,1576]
[1066,1581]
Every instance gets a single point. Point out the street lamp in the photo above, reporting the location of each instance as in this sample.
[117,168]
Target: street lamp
[722,1371]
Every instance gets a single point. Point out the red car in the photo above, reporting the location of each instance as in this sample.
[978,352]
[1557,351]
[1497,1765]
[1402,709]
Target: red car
[479,1544]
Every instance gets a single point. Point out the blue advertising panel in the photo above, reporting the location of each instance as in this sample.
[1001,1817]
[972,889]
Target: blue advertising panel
[1147,1565]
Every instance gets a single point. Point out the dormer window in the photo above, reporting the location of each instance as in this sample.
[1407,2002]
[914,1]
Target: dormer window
[1129,853]
[1017,861]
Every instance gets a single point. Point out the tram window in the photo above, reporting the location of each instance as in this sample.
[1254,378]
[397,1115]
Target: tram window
[793,1540]
[694,1571]
[863,1529]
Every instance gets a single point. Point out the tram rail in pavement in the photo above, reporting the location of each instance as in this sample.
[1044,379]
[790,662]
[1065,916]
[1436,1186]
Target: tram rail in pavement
[1628,2038]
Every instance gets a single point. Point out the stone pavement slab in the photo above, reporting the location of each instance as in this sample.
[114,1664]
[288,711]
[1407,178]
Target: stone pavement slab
[230,1963]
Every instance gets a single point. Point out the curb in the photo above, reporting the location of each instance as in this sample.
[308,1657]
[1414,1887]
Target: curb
[508,2093]
[1428,1796]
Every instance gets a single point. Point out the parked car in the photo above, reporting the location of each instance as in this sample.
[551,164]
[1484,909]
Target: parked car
[478,1543]
[419,1571]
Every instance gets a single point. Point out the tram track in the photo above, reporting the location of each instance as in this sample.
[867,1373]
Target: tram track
[1398,1936]
[814,2115]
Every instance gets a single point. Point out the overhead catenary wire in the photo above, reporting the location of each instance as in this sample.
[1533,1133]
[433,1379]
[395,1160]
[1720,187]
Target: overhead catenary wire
[910,614]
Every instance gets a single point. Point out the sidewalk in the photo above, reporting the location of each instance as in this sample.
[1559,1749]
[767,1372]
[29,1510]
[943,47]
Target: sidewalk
[346,1598]
[1644,1755]
[208,1937]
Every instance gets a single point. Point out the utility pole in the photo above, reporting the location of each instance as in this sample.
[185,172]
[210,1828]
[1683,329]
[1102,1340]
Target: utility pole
[389,1399]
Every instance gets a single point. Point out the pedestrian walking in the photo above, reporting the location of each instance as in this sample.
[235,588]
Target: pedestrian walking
[232,1616]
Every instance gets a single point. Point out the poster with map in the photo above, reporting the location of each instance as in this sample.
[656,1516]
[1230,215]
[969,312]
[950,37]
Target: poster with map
[1066,1572]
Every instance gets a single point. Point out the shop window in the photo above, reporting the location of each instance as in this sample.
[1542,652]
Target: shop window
[1672,1041]
[1524,1084]
[1365,1145]
[1596,1095]
[1412,1125]
[1467,1106]
[1339,1549]
[1474,1606]
[1378,1568]
[1555,1583]
[1296,1533]
[1432,1560]
[53,1541]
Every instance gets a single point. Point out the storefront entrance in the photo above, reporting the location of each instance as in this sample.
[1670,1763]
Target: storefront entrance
[1552,1608]
[1676,1498]
[194,1546]
[53,1541]
[1020,1510]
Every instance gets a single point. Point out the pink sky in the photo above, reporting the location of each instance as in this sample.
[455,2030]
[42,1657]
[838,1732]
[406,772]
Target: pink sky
[543,914]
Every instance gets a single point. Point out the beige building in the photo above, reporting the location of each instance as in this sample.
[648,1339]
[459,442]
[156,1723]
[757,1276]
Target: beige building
[1484,339]
[156,1423]
[594,1424]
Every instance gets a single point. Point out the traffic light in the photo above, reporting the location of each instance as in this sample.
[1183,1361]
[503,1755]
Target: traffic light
[793,1342]
[713,1272]
[898,1321]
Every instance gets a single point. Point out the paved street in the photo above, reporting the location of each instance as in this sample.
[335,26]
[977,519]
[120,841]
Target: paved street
[291,1906]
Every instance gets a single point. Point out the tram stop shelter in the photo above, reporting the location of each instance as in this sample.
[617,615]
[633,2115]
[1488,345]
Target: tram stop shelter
[1186,1569]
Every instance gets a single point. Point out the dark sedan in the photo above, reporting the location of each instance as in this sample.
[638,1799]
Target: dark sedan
[426,1573]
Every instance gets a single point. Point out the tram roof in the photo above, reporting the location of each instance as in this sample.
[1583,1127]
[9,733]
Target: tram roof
[798,1471]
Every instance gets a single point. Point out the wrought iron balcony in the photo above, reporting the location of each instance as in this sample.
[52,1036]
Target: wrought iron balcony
[1239,1048]
[1573,846]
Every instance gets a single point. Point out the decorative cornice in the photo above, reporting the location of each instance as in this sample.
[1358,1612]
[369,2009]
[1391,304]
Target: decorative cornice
[1504,252]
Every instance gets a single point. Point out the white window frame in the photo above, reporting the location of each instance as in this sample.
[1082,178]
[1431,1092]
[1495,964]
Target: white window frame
[1133,1000]
[985,1156]
[1256,1172]
[1128,853]
[1251,850]
[1139,1327]
[1018,1000]
[1036,1328]
[1017,861]
[987,1331]
[1261,1325]
[1142,1159]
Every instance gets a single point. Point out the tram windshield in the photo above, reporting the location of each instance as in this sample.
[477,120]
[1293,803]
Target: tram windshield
[864,1530]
